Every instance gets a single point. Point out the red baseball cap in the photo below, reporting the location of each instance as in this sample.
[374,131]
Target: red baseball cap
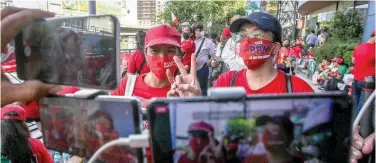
[202,126]
[226,32]
[163,34]
[13,108]
[374,32]
[338,60]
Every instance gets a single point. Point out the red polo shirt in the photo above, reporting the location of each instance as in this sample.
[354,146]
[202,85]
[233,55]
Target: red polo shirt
[276,86]
[135,62]
[364,55]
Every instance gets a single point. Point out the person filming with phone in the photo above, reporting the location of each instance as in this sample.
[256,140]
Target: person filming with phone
[260,41]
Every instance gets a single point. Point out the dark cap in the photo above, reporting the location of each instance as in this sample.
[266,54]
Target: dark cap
[264,21]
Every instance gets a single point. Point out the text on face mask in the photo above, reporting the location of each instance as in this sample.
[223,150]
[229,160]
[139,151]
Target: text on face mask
[260,47]
[169,64]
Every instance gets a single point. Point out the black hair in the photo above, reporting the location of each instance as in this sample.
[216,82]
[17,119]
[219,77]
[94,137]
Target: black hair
[14,140]
[372,35]
[140,41]
[213,35]
[262,120]
[313,31]
[198,26]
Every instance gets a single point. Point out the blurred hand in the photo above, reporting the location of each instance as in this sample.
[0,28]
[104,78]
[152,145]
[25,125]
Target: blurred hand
[12,21]
[361,146]
[184,85]
[75,159]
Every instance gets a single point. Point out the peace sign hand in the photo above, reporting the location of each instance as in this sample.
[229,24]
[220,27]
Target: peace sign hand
[184,85]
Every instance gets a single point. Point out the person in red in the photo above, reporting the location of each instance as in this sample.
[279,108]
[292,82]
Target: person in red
[276,137]
[364,63]
[162,44]
[283,54]
[261,41]
[103,132]
[16,144]
[296,51]
[137,61]
[188,46]
[200,144]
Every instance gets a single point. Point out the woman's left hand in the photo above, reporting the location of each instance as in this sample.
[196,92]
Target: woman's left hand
[185,84]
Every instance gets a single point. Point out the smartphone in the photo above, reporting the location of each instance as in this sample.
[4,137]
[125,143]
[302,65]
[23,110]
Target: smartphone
[301,128]
[76,51]
[81,126]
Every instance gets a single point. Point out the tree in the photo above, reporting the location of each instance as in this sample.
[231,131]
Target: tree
[237,127]
[214,15]
[347,25]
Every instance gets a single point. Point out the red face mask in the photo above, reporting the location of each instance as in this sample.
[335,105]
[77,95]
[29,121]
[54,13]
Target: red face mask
[254,51]
[197,145]
[272,138]
[159,65]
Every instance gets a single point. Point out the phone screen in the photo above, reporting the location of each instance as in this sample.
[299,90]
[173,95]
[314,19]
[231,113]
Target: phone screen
[81,127]
[78,51]
[289,130]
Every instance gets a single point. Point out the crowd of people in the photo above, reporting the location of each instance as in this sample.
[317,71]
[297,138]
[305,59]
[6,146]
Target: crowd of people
[168,63]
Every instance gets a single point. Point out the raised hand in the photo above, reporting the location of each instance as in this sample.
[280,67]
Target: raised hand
[185,84]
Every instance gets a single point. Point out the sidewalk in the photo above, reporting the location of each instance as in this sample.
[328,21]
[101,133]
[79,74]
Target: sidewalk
[309,81]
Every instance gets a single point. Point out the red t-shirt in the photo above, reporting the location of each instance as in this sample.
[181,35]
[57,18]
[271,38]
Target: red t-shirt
[141,90]
[189,47]
[297,51]
[364,55]
[32,107]
[39,150]
[283,53]
[277,85]
[135,62]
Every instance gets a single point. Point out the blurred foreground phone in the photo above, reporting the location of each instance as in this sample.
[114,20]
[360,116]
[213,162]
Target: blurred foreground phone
[76,51]
[292,128]
[80,126]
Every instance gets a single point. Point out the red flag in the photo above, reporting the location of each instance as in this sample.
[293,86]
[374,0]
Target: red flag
[175,21]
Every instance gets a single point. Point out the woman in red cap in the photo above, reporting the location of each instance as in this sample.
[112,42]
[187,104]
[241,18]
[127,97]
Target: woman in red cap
[162,44]
[16,143]
[202,145]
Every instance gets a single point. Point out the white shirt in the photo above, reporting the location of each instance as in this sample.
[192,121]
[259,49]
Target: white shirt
[235,62]
[207,49]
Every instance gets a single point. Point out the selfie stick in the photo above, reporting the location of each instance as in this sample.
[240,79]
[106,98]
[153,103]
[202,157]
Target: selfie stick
[133,141]
[363,110]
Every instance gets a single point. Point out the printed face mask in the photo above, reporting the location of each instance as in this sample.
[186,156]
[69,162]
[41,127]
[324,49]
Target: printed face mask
[197,145]
[159,65]
[254,51]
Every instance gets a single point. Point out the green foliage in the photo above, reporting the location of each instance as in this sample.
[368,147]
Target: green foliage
[238,126]
[347,25]
[214,15]
[347,29]
[335,47]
